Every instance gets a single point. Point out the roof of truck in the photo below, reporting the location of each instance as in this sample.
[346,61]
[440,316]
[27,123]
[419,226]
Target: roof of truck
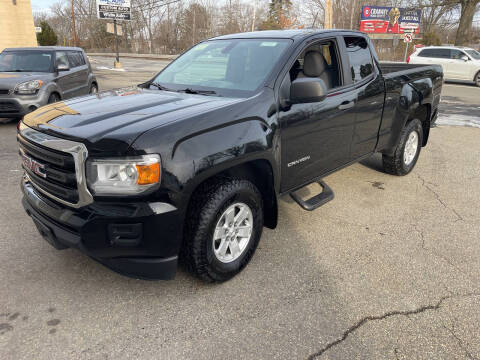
[281,34]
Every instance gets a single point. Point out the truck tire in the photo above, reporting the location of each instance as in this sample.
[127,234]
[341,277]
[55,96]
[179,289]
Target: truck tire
[407,151]
[224,225]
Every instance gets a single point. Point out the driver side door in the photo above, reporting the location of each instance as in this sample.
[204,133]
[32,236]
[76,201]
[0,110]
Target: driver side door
[317,137]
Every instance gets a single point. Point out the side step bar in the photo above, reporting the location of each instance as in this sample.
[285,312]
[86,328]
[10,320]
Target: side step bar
[316,201]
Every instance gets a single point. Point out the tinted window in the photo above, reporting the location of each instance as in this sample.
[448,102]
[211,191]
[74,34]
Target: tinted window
[456,54]
[62,59]
[435,53]
[361,64]
[25,60]
[75,58]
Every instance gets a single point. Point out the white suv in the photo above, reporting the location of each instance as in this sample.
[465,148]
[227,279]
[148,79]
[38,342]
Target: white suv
[459,63]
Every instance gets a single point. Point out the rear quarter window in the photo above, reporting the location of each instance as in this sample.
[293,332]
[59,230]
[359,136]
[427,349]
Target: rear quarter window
[361,63]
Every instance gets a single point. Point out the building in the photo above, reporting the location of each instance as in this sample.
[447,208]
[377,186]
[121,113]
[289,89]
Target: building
[16,24]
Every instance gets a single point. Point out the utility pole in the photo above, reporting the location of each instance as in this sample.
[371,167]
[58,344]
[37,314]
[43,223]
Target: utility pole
[74,36]
[328,15]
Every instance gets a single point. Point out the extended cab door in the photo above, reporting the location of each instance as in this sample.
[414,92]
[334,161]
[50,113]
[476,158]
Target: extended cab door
[369,89]
[316,137]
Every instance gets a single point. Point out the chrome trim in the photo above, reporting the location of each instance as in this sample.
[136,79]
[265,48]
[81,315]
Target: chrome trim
[161,208]
[77,150]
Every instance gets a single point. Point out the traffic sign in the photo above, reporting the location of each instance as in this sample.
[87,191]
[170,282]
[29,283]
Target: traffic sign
[408,38]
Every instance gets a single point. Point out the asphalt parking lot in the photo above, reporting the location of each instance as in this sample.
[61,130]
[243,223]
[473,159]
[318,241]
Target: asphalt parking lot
[388,270]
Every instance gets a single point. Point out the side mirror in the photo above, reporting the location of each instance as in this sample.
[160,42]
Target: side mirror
[464,57]
[63,67]
[307,90]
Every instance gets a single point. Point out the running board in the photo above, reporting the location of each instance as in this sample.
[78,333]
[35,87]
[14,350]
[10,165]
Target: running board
[315,201]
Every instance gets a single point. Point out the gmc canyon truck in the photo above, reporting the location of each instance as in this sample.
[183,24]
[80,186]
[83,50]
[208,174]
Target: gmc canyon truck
[189,165]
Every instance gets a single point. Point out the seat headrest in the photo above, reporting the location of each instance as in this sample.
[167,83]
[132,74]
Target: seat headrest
[314,64]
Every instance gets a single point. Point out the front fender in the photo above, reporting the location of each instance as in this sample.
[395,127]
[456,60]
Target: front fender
[211,152]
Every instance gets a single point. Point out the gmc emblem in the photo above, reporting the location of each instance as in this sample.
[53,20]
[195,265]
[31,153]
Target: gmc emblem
[33,165]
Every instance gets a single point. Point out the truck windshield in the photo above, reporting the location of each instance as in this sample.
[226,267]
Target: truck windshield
[474,54]
[26,61]
[226,67]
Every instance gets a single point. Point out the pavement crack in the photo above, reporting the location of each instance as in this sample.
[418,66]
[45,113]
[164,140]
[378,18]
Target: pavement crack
[463,346]
[439,199]
[367,319]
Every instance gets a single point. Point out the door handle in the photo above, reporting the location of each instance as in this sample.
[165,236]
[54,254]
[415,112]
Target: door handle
[346,105]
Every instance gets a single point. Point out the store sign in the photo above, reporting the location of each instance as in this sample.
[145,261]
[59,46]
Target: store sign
[113,9]
[390,20]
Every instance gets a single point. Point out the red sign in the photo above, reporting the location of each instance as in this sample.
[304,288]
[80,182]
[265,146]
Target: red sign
[390,20]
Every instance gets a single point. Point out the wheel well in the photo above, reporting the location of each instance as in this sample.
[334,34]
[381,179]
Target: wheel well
[56,93]
[423,113]
[260,173]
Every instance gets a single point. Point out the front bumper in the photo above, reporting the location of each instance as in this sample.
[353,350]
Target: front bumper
[130,238]
[16,106]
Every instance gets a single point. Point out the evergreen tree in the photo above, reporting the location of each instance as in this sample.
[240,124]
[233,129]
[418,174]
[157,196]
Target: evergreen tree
[47,37]
[278,15]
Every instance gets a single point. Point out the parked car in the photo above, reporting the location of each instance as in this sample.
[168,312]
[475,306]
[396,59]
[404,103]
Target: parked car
[191,163]
[33,77]
[458,63]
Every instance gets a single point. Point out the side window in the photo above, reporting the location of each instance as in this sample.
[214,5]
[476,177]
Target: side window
[361,63]
[456,54]
[81,58]
[62,59]
[74,59]
[426,53]
[319,60]
[442,53]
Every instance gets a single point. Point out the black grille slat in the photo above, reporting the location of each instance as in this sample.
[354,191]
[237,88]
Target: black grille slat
[62,192]
[4,91]
[63,177]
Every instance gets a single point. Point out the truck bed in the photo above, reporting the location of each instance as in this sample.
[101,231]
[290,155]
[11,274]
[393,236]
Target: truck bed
[412,71]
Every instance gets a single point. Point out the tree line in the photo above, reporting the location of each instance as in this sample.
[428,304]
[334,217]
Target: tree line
[171,26]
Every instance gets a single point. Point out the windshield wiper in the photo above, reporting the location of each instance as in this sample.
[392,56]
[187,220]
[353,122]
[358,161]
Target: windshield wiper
[200,92]
[160,87]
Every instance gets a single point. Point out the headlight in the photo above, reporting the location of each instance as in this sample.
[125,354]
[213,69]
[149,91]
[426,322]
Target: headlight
[123,176]
[29,87]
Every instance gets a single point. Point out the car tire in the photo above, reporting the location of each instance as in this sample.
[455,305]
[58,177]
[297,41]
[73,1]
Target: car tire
[477,79]
[213,249]
[53,98]
[93,89]
[407,151]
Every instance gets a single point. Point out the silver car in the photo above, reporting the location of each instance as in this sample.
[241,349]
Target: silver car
[33,77]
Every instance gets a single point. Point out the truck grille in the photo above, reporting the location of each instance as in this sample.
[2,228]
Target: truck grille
[56,174]
[54,166]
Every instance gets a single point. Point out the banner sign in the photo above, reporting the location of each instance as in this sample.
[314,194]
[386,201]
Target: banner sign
[113,9]
[390,20]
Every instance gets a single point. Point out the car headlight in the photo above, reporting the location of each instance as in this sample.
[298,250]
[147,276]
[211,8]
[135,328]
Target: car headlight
[123,176]
[29,87]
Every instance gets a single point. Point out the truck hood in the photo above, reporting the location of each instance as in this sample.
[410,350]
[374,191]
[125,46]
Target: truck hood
[112,120]
[8,80]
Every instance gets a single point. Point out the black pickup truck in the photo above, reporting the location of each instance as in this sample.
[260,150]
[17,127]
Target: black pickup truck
[190,164]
